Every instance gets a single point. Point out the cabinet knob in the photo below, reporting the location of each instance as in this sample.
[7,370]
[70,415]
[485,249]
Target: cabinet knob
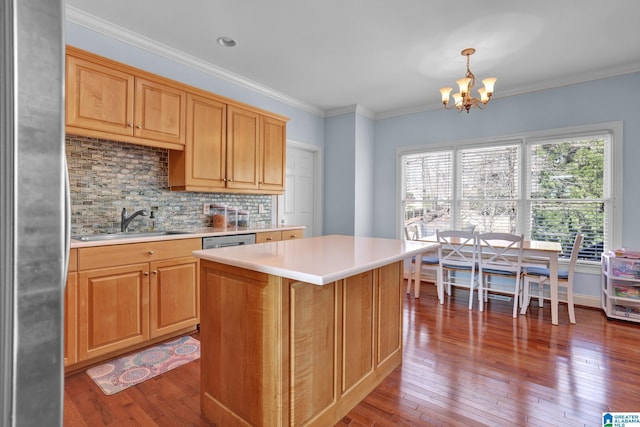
[155,271]
[151,252]
[130,125]
[293,236]
[146,273]
[139,127]
[229,180]
[269,238]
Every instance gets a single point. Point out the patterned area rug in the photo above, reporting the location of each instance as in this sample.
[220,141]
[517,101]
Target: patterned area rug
[127,371]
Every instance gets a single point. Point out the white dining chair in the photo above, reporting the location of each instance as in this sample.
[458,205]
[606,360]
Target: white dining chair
[457,261]
[429,264]
[499,266]
[537,283]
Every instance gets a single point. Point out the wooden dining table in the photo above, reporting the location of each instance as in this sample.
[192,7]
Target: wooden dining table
[534,252]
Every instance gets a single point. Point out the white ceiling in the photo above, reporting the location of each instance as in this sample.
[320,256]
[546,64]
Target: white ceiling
[386,56]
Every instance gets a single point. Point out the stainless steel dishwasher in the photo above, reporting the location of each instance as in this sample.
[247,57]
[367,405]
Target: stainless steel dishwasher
[224,241]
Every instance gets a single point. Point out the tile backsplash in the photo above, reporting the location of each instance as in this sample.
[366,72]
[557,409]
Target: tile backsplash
[106,176]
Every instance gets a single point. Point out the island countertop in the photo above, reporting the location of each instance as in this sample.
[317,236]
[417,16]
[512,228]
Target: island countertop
[317,260]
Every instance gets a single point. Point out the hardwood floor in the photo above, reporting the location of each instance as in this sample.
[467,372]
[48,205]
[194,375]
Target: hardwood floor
[460,368]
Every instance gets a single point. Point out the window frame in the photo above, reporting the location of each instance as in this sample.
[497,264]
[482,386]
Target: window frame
[614,154]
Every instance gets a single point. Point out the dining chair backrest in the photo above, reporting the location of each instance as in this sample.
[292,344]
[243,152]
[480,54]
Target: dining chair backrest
[573,259]
[500,251]
[410,232]
[457,248]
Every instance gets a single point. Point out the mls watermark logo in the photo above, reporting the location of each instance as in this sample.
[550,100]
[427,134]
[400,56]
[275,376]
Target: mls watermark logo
[621,419]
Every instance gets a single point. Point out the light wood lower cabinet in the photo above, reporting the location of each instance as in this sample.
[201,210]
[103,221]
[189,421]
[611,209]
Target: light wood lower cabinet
[113,312]
[276,236]
[70,307]
[174,295]
[301,354]
[130,294]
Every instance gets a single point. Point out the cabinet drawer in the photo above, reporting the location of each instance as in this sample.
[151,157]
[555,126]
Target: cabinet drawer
[625,268]
[268,236]
[292,234]
[131,253]
[626,309]
[625,289]
[73,260]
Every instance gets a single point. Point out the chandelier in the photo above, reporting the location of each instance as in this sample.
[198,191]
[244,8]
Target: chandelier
[463,99]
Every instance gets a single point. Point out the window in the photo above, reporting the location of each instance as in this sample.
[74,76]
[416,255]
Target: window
[545,185]
[566,194]
[489,191]
[427,192]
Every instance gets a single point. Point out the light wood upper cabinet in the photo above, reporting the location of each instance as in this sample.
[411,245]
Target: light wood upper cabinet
[216,144]
[159,112]
[202,164]
[243,148]
[99,97]
[106,99]
[273,154]
[230,149]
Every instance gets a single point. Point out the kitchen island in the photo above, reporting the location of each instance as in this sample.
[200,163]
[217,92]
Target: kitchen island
[299,332]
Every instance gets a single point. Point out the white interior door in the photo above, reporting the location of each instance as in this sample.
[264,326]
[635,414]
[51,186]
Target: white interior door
[301,203]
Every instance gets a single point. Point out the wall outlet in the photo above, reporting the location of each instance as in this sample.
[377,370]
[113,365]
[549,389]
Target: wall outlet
[206,209]
[261,208]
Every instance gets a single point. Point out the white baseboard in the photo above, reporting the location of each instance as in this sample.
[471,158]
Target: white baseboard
[578,299]
[587,301]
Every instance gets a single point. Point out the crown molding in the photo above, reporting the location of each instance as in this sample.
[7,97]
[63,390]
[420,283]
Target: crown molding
[111,30]
[353,108]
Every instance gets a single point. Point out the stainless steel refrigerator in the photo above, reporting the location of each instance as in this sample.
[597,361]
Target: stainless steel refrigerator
[33,246]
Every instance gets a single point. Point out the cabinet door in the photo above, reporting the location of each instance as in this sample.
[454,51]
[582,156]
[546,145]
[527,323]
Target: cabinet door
[243,146]
[159,112]
[273,155]
[70,321]
[174,295]
[113,309]
[98,97]
[201,166]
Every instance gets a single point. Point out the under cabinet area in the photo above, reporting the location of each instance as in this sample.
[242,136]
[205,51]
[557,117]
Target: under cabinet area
[106,99]
[130,295]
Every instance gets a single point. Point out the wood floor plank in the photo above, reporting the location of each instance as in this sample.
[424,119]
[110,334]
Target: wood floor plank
[460,367]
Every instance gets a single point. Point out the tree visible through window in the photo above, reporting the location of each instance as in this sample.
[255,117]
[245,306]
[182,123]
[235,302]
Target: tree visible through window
[549,190]
[567,183]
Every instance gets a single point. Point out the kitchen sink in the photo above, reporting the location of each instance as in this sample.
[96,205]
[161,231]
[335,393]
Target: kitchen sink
[125,235]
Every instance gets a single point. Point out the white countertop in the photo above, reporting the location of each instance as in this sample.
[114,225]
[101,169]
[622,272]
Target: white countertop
[317,260]
[189,234]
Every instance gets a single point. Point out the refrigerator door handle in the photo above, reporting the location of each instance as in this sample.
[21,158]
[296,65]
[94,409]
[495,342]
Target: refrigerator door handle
[67,220]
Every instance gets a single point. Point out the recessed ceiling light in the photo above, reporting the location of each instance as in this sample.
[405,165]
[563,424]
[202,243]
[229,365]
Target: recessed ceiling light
[226,41]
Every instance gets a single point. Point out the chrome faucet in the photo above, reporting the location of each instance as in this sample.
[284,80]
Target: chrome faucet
[125,221]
